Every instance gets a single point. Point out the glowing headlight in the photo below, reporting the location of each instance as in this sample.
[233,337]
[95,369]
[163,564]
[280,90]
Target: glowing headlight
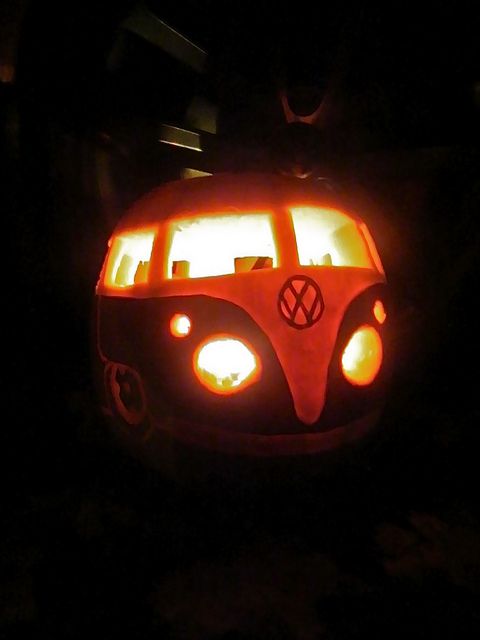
[225,364]
[362,357]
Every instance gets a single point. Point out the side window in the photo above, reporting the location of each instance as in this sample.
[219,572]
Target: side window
[327,237]
[129,259]
[221,244]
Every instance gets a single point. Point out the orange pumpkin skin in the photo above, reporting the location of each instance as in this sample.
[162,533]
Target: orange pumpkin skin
[169,331]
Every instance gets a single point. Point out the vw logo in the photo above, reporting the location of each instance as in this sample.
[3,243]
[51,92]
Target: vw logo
[300,302]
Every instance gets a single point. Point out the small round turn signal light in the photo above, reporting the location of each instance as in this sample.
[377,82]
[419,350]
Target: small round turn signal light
[180,325]
[379,312]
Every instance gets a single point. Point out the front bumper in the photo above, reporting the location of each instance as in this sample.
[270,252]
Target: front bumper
[255,445]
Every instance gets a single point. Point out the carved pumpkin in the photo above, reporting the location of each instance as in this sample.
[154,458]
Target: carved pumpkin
[243,313]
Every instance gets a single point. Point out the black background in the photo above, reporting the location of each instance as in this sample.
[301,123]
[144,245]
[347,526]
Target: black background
[93,540]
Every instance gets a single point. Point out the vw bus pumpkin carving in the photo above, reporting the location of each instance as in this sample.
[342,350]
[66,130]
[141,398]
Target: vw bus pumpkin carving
[245,314]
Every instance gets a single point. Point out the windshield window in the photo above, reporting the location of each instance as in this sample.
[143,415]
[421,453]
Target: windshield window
[327,237]
[221,244]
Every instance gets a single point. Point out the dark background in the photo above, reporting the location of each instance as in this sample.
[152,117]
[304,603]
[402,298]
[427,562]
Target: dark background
[92,540]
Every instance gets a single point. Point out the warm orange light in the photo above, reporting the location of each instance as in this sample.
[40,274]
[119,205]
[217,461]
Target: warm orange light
[212,245]
[362,357]
[371,247]
[327,237]
[180,325]
[379,311]
[129,259]
[225,364]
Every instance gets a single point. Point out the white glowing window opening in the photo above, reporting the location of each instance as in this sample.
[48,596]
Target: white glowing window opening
[221,244]
[327,237]
[129,259]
